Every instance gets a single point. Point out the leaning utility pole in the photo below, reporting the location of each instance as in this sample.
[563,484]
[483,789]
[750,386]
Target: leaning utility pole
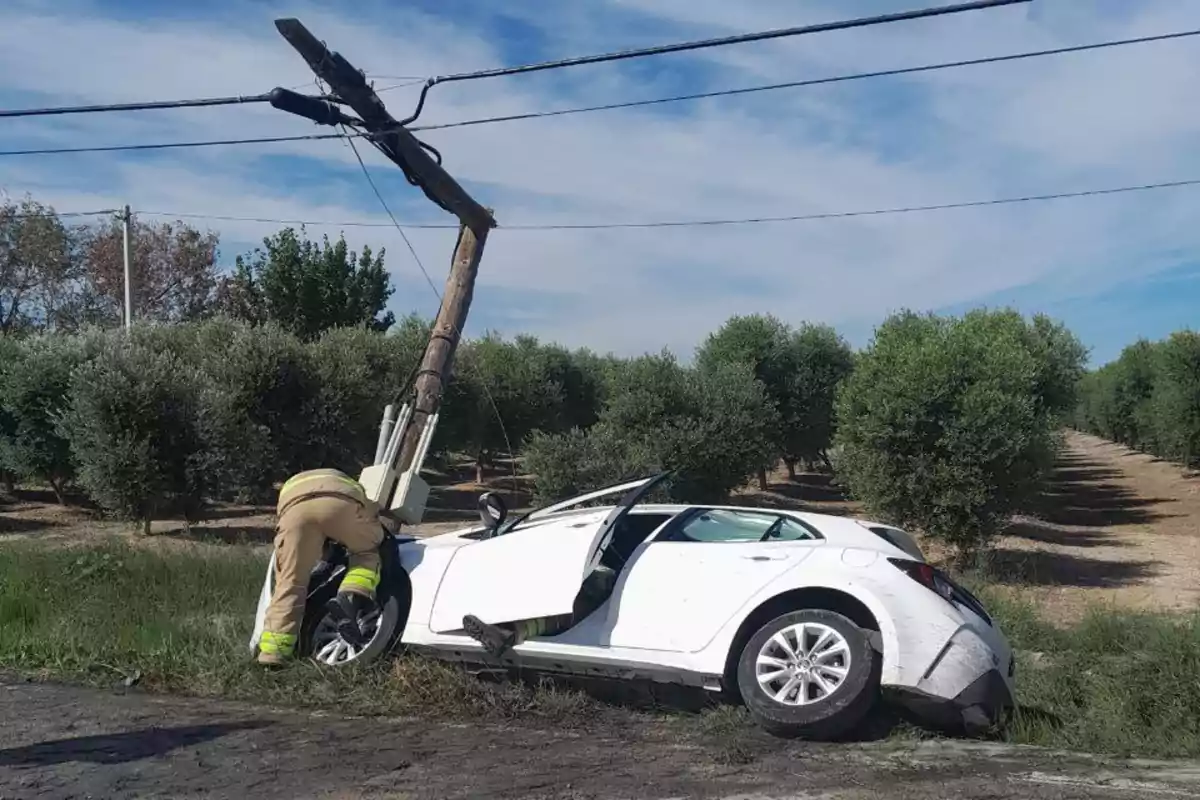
[401,449]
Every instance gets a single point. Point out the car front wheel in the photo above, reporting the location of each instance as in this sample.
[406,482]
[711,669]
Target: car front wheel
[810,673]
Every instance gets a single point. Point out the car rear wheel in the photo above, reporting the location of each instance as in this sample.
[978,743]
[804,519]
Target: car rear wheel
[810,673]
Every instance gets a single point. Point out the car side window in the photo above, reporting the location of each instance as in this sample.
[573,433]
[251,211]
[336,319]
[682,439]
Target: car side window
[724,525]
[719,525]
[791,530]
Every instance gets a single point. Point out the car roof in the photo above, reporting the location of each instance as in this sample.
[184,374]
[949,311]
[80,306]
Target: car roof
[841,530]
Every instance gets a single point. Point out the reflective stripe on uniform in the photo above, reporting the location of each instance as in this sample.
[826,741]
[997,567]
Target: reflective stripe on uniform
[293,482]
[281,644]
[361,578]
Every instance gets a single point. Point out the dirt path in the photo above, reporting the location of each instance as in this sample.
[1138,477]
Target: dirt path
[1116,526]
[60,742]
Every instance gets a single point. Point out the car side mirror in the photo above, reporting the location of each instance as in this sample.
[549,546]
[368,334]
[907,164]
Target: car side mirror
[492,512]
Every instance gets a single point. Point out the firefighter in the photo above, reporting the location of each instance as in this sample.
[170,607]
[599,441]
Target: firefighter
[315,505]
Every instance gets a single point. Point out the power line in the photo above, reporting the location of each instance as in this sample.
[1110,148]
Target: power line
[157,105]
[857,76]
[723,41]
[206,102]
[632,103]
[698,223]
[200,102]
[53,214]
[47,151]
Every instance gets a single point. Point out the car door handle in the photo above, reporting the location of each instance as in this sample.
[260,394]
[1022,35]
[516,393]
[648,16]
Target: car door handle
[766,558]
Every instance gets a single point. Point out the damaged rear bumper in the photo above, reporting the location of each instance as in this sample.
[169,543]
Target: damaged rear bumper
[968,686]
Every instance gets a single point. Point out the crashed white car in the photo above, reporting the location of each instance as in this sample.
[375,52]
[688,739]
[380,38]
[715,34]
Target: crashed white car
[803,617]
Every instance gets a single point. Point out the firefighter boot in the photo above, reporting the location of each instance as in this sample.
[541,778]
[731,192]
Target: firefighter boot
[495,640]
[348,610]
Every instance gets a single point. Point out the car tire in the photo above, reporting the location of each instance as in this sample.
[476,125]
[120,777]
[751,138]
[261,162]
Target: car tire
[393,611]
[823,716]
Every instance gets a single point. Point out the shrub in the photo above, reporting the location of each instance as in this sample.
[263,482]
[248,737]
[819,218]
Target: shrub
[713,427]
[575,462]
[32,395]
[941,424]
[270,382]
[135,422]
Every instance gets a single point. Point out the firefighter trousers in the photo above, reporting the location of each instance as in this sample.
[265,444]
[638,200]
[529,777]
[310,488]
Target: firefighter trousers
[299,538]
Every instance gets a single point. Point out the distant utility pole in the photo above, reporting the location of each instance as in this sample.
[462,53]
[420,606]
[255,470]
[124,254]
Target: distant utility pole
[126,233]
[349,86]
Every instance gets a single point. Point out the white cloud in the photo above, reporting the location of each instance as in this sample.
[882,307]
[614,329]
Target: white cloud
[1072,122]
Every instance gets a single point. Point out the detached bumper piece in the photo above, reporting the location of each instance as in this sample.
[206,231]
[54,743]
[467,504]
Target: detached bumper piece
[978,708]
[985,702]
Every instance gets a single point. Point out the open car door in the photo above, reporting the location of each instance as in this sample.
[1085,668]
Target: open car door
[535,567]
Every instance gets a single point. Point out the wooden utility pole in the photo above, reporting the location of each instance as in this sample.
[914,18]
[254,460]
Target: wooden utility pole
[349,85]
[443,340]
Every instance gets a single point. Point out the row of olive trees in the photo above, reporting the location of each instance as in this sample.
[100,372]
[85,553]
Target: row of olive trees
[1149,398]
[760,392]
[173,416]
[160,421]
[942,424]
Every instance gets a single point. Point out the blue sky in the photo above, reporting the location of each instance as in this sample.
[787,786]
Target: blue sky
[1114,268]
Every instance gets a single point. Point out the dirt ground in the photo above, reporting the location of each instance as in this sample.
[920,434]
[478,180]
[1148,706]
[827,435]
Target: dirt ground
[61,742]
[1115,526]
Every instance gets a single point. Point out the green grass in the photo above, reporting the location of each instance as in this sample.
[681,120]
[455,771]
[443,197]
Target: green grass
[180,621]
[1118,683]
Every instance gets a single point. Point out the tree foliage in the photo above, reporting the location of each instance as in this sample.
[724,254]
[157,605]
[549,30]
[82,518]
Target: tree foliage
[33,389]
[799,371]
[946,424]
[172,266]
[135,424]
[711,426]
[503,391]
[40,274]
[308,288]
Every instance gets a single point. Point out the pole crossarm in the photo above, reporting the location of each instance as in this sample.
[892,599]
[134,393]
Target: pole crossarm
[389,136]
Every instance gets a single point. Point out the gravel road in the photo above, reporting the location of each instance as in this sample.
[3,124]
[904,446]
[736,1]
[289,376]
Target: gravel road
[66,742]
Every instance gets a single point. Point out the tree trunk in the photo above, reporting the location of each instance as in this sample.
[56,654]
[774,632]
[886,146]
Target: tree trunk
[762,480]
[146,526]
[479,469]
[825,461]
[791,468]
[10,488]
[56,486]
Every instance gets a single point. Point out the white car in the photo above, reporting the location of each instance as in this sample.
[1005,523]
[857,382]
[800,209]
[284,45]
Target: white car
[804,617]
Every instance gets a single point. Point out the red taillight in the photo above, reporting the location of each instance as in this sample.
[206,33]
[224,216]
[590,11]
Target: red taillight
[939,584]
[925,575]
